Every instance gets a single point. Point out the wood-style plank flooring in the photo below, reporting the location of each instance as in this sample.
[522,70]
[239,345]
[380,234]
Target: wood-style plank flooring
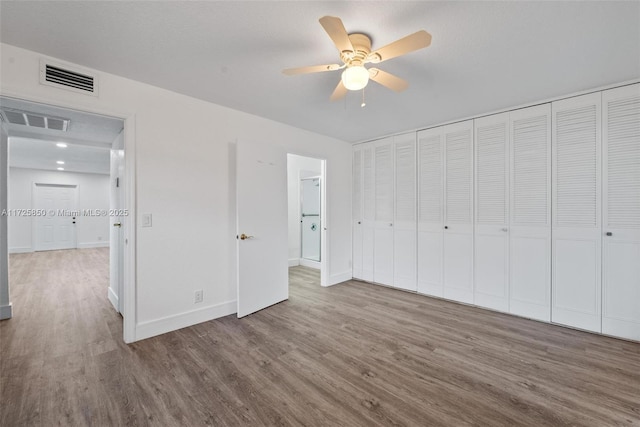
[353,354]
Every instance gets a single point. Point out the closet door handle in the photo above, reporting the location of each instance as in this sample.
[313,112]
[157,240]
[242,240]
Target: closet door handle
[609,233]
[446,227]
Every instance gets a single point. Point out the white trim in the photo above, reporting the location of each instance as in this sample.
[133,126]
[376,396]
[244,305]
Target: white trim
[89,245]
[178,321]
[24,250]
[113,299]
[505,110]
[294,262]
[339,278]
[130,263]
[6,311]
[311,264]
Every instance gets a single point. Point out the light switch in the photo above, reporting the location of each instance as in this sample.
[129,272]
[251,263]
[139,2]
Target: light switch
[146,220]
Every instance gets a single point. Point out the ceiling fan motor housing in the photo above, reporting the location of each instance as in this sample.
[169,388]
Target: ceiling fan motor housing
[362,49]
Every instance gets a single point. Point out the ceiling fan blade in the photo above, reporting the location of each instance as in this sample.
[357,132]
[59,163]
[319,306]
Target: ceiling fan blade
[410,43]
[312,69]
[335,28]
[339,92]
[388,80]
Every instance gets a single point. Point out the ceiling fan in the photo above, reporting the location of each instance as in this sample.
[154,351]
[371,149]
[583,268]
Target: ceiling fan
[355,52]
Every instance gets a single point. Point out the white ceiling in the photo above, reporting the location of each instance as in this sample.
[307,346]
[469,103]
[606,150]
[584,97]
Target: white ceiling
[41,154]
[485,56]
[89,140]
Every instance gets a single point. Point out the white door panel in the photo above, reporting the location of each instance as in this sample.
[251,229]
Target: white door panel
[384,204]
[491,257]
[530,213]
[57,229]
[430,158]
[621,212]
[368,211]
[458,265]
[491,268]
[261,182]
[576,197]
[367,251]
[458,212]
[356,212]
[404,225]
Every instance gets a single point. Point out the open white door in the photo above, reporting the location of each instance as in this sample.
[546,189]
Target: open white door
[261,185]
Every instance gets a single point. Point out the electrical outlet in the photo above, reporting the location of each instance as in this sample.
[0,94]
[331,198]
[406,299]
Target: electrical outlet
[198,296]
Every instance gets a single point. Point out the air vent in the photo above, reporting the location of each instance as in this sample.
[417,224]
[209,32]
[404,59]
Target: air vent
[62,76]
[26,118]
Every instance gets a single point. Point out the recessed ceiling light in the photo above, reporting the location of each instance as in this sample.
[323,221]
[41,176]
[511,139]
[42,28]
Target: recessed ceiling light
[60,169]
[61,145]
[60,162]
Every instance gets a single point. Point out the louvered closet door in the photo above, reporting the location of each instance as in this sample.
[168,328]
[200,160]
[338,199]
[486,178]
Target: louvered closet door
[458,228]
[576,210]
[491,240]
[368,210]
[621,212]
[383,234]
[530,212]
[356,212]
[430,211]
[404,224]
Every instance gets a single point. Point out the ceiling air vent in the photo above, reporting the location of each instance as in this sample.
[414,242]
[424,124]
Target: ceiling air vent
[26,118]
[71,78]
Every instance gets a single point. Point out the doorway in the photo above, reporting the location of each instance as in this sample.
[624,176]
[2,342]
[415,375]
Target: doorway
[66,196]
[268,215]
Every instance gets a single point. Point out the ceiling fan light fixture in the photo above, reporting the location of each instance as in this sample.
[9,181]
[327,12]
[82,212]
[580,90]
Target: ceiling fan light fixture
[355,77]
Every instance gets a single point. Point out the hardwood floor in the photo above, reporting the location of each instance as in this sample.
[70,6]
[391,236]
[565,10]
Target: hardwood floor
[351,355]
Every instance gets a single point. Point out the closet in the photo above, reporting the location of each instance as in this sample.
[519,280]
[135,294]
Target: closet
[533,212]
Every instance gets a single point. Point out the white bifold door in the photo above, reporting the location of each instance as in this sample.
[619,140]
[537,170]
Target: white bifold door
[530,212]
[383,232]
[404,224]
[356,213]
[621,212]
[577,222]
[491,258]
[445,222]
[512,268]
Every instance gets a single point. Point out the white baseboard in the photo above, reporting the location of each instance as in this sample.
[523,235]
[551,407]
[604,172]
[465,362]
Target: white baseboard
[20,250]
[294,262]
[310,264]
[113,298]
[163,325]
[339,278]
[6,311]
[89,245]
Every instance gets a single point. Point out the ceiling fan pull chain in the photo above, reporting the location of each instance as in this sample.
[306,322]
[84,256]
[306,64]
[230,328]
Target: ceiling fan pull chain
[364,104]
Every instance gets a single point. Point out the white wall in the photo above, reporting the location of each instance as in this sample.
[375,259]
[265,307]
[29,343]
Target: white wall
[5,304]
[93,193]
[297,167]
[184,161]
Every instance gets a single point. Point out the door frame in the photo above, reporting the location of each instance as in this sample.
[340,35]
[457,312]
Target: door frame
[130,222]
[324,234]
[34,222]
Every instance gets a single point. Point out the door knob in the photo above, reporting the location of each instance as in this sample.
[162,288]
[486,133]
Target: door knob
[609,233]
[446,227]
[117,224]
[505,229]
[245,237]
[390,224]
